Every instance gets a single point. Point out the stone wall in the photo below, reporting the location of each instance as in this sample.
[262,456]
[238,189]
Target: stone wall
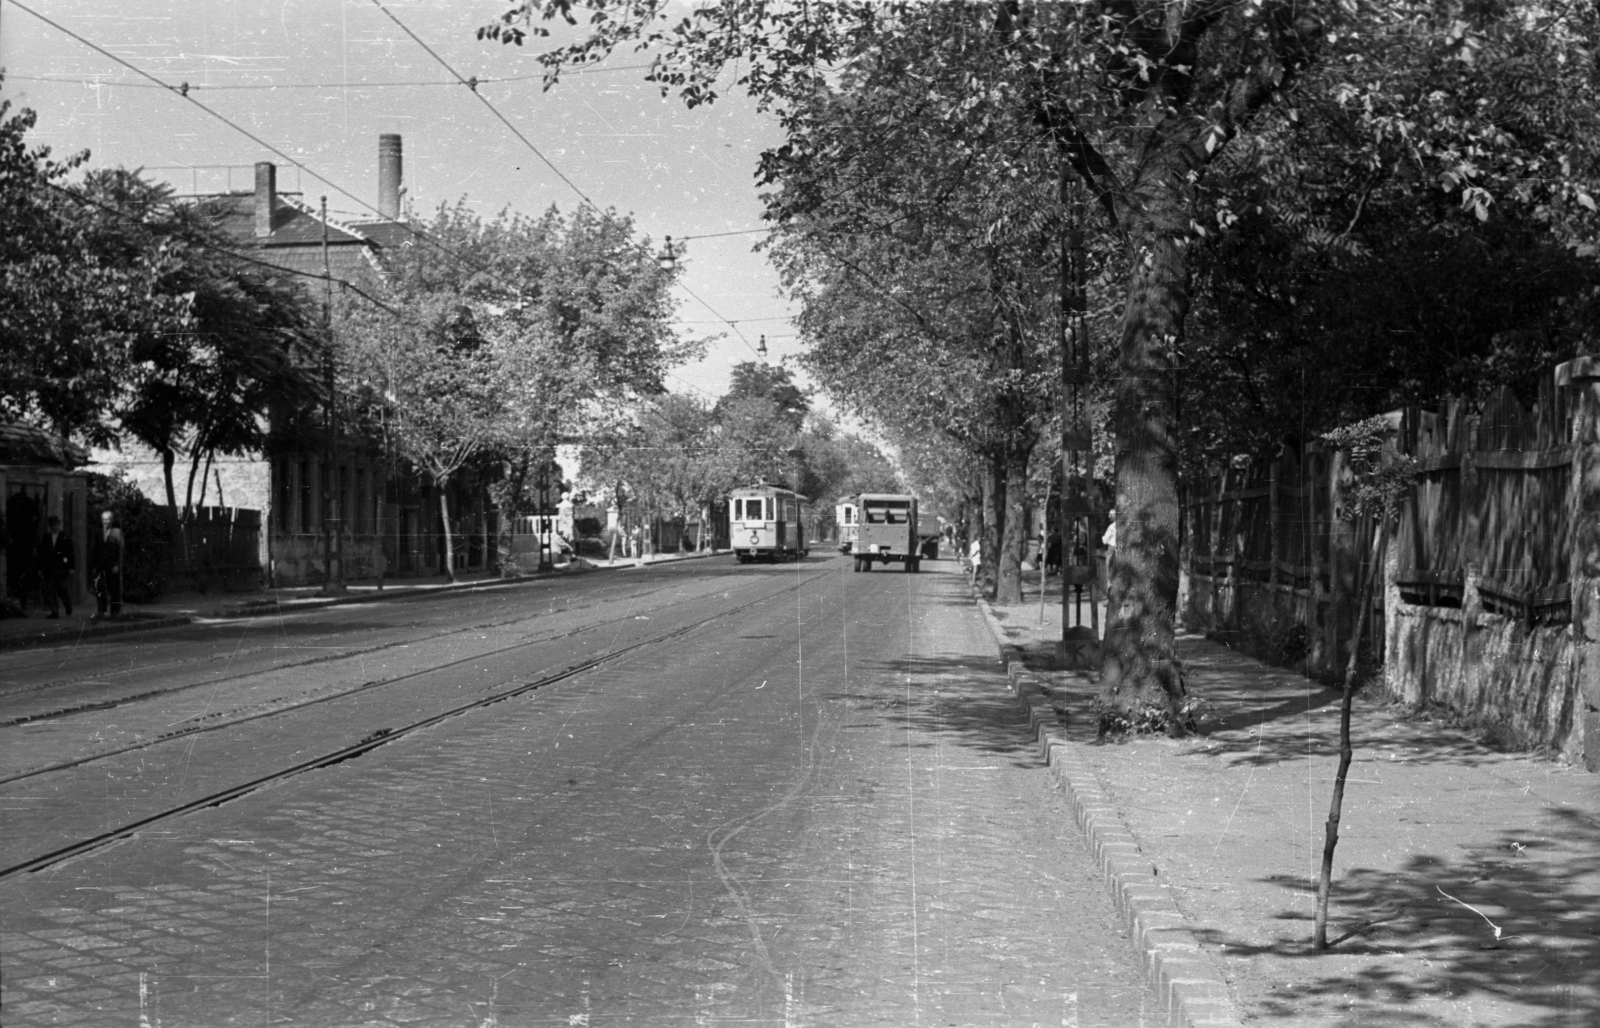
[1492,670]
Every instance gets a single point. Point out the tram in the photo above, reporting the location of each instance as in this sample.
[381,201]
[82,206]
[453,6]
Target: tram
[767,523]
[845,516]
[887,531]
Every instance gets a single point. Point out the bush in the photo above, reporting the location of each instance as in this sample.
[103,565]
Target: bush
[586,528]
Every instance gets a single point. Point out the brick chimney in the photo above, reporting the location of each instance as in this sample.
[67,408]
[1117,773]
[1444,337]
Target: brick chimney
[266,196]
[389,175]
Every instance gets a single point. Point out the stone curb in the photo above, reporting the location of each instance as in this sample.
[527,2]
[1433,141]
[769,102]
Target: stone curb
[257,608]
[267,606]
[64,637]
[1185,979]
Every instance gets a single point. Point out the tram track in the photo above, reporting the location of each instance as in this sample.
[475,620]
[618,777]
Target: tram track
[16,693]
[111,704]
[376,739]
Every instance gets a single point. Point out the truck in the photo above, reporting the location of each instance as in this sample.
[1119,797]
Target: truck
[887,531]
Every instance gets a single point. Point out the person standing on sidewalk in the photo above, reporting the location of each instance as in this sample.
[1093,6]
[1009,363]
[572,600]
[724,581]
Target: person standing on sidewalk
[55,561]
[107,567]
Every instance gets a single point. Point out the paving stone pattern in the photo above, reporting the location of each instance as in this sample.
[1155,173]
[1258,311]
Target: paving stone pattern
[825,811]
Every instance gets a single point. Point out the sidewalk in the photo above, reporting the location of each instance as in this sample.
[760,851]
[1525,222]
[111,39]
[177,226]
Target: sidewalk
[1470,877]
[181,608]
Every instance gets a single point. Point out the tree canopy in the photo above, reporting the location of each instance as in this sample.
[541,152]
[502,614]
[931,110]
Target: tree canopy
[1262,189]
[125,313]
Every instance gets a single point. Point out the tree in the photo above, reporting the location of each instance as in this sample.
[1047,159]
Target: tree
[671,463]
[835,463]
[1139,105]
[1379,484]
[758,443]
[545,326]
[77,284]
[201,384]
[124,314]
[754,379]
[1410,224]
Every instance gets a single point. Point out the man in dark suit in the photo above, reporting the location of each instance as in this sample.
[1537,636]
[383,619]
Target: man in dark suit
[55,561]
[107,567]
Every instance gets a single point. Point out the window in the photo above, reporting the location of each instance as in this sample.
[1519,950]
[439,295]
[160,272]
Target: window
[752,507]
[325,494]
[358,515]
[888,512]
[342,512]
[285,495]
[305,495]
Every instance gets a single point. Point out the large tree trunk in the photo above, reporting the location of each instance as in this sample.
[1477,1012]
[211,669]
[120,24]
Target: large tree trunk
[167,458]
[444,524]
[1008,580]
[1139,679]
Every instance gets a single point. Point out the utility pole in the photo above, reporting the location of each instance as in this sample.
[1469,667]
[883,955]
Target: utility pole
[333,573]
[1079,644]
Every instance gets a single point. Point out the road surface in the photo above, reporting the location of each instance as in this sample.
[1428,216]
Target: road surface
[697,793]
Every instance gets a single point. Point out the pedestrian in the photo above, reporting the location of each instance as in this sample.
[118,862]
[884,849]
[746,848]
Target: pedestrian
[1052,553]
[55,561]
[107,567]
[975,555]
[1109,539]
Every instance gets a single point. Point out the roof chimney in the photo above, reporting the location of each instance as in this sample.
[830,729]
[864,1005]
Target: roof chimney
[266,196]
[389,175]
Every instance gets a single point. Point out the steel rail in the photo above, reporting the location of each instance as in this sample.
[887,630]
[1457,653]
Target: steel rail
[269,614]
[115,835]
[326,658]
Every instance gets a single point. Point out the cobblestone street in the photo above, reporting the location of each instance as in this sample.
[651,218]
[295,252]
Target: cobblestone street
[820,809]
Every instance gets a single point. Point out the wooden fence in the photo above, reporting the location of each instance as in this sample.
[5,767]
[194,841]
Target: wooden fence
[1491,503]
[1490,597]
[221,548]
[1270,562]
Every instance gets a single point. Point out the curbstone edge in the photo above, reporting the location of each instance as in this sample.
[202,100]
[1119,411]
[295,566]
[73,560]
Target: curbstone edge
[1185,978]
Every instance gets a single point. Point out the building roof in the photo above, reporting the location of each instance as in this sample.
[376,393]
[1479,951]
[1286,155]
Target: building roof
[297,235]
[25,444]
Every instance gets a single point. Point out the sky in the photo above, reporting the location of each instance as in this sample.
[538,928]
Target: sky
[302,77]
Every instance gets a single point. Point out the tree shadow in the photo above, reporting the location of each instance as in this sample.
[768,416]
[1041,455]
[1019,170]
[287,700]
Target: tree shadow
[1515,921]
[1256,714]
[921,694]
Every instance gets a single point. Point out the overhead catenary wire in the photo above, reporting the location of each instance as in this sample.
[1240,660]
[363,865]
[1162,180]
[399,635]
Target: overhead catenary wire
[471,84]
[413,231]
[184,93]
[248,86]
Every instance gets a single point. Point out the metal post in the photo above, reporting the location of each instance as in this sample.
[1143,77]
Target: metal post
[333,574]
[1079,644]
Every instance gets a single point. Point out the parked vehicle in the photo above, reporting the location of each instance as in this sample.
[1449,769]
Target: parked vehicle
[767,523]
[845,515]
[929,532]
[887,531]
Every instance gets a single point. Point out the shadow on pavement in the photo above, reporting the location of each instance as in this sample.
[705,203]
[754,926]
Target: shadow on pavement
[934,697]
[1256,714]
[1514,922]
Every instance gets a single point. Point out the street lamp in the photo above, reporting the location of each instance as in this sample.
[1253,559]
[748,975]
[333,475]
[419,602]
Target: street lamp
[667,259]
[761,348]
